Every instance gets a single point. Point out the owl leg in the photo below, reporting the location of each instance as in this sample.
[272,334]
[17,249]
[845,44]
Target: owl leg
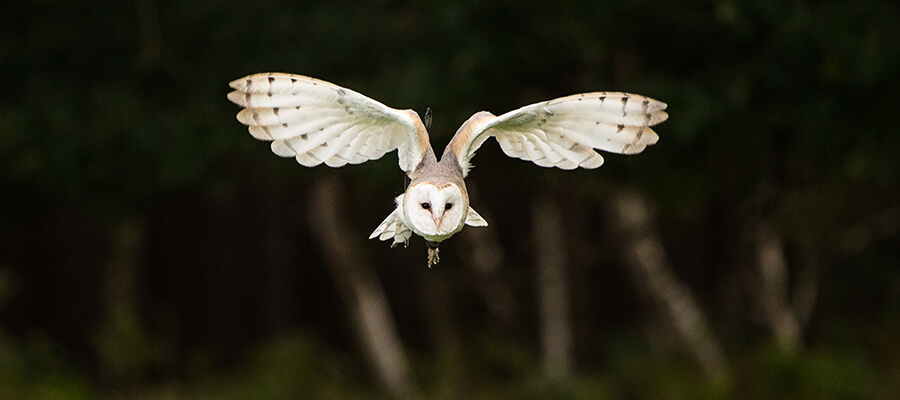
[433,257]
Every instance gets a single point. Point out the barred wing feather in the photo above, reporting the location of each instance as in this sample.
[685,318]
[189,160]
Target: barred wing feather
[564,132]
[318,122]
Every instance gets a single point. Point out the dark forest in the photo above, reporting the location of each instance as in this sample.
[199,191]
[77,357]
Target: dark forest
[150,248]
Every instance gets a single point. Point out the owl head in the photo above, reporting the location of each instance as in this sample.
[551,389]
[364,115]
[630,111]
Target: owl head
[433,211]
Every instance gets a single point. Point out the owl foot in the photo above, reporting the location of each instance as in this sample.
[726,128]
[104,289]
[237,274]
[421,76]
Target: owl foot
[433,257]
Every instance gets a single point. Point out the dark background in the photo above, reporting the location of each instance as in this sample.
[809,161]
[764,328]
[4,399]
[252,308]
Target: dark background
[150,248]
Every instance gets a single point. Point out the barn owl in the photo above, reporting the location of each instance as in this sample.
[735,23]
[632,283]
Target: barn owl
[318,122]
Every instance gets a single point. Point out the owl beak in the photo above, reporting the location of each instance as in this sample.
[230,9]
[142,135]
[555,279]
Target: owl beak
[437,219]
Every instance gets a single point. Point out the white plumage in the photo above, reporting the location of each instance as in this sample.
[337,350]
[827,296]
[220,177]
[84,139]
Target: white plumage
[318,122]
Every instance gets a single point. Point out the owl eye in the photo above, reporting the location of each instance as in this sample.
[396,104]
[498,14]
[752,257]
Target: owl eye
[426,205]
[448,206]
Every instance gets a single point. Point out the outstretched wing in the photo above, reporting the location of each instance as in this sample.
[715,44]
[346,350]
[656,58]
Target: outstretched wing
[318,122]
[564,132]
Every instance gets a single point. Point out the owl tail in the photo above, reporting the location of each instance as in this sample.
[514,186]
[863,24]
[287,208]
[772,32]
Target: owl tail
[393,227]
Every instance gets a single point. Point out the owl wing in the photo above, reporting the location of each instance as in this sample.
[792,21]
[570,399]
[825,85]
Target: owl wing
[394,227]
[564,132]
[318,122]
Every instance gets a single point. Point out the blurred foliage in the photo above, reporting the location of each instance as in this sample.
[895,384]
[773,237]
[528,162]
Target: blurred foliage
[297,366]
[35,368]
[288,367]
[112,110]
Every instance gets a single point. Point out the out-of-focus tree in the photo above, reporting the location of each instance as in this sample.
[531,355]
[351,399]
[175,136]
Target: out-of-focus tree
[146,239]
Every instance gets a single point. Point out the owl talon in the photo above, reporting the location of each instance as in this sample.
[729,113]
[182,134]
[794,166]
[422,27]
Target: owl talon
[433,257]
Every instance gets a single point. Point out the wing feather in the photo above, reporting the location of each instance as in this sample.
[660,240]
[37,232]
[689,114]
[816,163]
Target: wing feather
[564,132]
[393,227]
[318,122]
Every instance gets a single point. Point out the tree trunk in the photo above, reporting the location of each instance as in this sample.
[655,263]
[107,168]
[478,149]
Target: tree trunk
[361,290]
[784,309]
[552,286]
[772,291]
[645,258]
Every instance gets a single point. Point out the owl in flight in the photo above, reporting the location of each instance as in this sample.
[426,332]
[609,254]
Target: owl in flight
[318,122]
